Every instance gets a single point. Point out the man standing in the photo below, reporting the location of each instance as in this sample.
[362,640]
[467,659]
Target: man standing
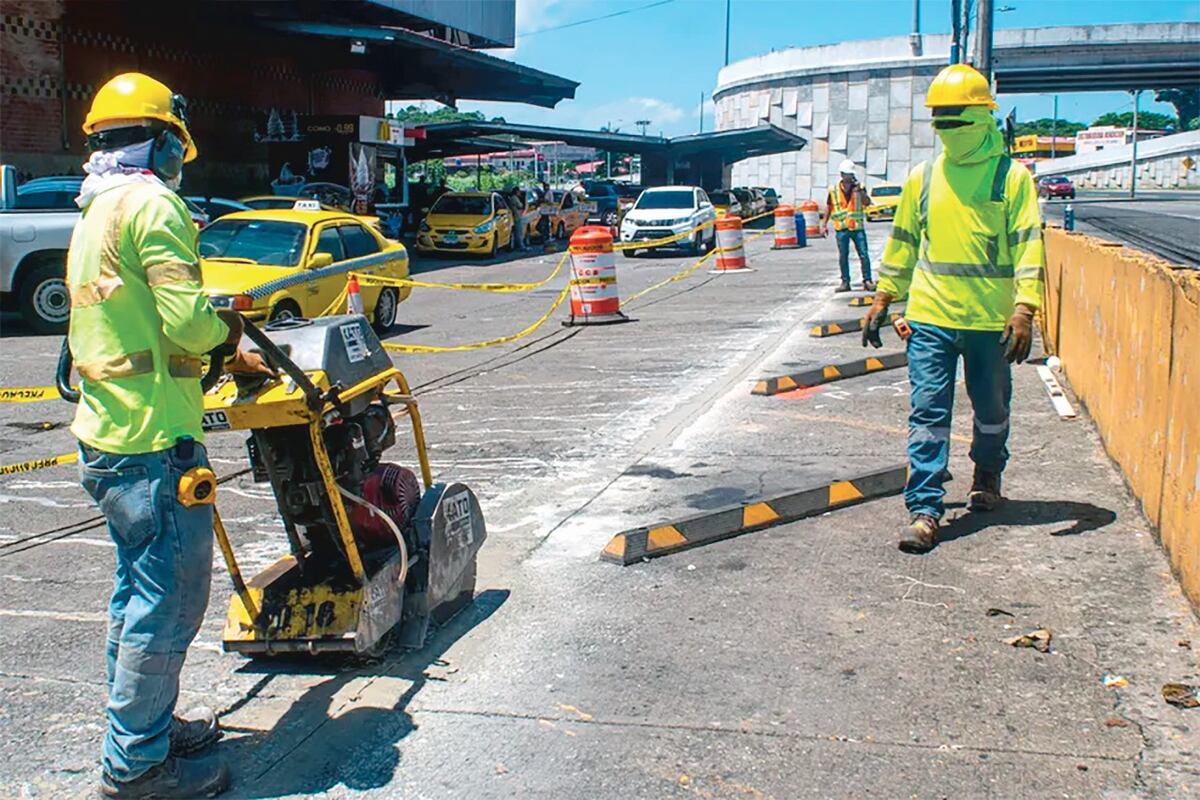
[966,246]
[846,205]
[516,204]
[139,324]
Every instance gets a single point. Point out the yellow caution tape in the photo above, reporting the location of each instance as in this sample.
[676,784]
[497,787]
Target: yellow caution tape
[27,394]
[376,280]
[676,277]
[425,348]
[38,463]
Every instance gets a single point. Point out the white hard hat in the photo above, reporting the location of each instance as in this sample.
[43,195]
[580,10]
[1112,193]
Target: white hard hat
[846,167]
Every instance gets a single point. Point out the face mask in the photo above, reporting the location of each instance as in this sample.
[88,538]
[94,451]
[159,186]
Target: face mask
[162,155]
[976,141]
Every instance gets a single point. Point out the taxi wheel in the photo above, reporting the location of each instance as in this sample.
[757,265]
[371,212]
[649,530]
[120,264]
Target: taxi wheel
[495,245]
[385,310]
[285,309]
[610,218]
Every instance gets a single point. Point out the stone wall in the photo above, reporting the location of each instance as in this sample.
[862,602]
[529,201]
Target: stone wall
[876,118]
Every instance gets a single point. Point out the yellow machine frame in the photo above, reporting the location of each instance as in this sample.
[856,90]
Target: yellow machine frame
[324,616]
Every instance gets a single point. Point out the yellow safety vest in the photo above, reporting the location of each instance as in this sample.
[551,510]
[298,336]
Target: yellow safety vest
[966,244]
[847,217]
[139,320]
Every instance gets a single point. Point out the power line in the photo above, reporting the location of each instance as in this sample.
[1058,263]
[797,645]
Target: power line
[593,19]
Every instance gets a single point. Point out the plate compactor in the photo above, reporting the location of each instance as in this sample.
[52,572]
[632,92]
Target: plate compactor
[370,551]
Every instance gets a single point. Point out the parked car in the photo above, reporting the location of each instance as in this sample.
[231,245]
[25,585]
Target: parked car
[275,264]
[608,201]
[668,211]
[884,199]
[1053,186]
[726,202]
[770,195]
[217,207]
[36,220]
[466,222]
[751,206]
[563,213]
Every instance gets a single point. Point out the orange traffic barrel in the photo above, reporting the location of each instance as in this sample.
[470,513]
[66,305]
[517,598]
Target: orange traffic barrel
[785,228]
[354,303]
[594,298]
[731,252]
[812,217]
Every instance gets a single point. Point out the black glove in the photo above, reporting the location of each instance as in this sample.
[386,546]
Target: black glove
[1018,335]
[876,318]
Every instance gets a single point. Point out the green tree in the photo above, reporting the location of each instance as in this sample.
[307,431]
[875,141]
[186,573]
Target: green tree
[1047,127]
[1187,105]
[416,115]
[1150,120]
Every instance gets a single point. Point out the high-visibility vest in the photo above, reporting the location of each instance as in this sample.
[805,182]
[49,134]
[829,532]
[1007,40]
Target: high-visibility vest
[847,216]
[969,247]
[139,320]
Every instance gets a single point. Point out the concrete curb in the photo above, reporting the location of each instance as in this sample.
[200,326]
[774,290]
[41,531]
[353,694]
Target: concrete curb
[829,373]
[638,544]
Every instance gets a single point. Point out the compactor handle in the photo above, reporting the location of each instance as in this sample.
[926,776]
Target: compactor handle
[279,359]
[62,377]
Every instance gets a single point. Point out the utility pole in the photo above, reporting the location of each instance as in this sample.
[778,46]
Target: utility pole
[983,38]
[965,30]
[1054,130]
[955,31]
[643,124]
[914,38]
[702,112]
[728,4]
[1133,157]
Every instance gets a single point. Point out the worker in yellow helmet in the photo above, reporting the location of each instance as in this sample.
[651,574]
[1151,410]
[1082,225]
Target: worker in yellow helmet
[139,326]
[966,247]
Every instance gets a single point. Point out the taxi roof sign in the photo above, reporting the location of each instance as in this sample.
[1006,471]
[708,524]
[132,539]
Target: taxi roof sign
[307,205]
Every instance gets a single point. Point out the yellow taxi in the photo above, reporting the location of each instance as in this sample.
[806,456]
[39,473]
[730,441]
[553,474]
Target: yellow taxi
[467,222]
[279,263]
[566,211]
[884,199]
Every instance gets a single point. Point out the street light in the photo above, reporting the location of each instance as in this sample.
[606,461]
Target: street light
[643,124]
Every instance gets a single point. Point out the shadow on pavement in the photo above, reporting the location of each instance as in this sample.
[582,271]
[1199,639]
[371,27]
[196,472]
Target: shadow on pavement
[312,748]
[1084,517]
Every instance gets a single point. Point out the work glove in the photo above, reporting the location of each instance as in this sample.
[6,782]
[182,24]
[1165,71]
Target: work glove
[1018,334]
[233,321]
[876,318]
[244,362]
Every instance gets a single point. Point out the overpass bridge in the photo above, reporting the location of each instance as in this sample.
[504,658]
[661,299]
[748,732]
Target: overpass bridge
[864,100]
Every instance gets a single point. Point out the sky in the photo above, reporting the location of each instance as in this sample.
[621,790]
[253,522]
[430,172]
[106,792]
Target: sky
[656,59]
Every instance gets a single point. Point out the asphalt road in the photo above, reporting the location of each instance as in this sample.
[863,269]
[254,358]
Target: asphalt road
[811,660]
[1165,223]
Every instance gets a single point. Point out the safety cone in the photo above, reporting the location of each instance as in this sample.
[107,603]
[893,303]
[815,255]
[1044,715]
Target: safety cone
[731,254]
[812,218]
[354,303]
[785,228]
[594,297]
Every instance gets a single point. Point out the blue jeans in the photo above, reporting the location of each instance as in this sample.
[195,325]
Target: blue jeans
[160,593]
[933,354]
[859,237]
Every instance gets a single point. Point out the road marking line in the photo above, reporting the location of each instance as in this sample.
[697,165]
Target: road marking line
[59,615]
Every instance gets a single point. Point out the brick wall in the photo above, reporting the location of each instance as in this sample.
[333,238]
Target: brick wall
[54,54]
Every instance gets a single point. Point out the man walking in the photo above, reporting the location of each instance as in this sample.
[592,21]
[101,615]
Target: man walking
[846,206]
[966,246]
[139,324]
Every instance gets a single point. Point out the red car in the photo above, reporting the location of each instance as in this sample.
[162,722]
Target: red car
[1053,186]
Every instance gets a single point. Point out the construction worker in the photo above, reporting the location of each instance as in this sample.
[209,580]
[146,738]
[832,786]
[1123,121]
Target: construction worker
[139,324]
[966,246]
[846,206]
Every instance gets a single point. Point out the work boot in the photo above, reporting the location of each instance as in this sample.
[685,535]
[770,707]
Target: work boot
[868,286]
[193,731]
[920,535]
[844,286]
[202,776]
[985,491]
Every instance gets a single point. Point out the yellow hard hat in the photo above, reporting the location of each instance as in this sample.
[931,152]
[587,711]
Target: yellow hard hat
[133,96]
[959,85]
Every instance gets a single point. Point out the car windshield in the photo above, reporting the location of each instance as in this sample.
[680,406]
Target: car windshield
[462,204]
[272,203]
[885,191]
[720,198]
[675,198]
[596,189]
[1057,179]
[276,244]
[741,194]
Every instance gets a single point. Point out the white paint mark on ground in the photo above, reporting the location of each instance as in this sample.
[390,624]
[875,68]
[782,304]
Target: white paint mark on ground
[63,616]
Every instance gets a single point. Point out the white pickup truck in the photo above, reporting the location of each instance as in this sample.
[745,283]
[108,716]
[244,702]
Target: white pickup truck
[36,220]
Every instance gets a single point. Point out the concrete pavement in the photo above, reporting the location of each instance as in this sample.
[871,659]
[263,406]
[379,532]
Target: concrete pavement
[810,660]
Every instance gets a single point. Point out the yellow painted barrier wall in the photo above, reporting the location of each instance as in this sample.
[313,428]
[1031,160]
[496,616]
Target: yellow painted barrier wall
[1127,328]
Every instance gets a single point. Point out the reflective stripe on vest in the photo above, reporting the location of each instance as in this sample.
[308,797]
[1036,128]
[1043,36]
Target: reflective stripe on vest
[852,217]
[139,363]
